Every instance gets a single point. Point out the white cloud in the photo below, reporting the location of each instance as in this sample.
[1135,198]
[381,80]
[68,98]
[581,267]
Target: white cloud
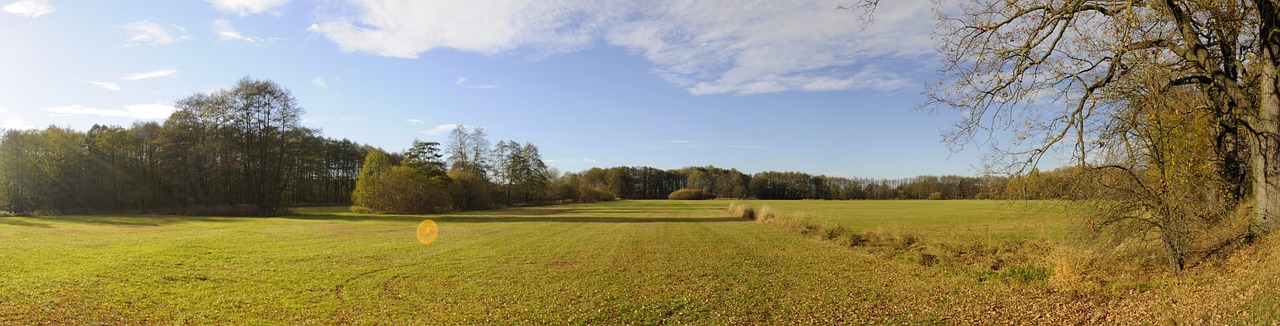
[406,28]
[757,46]
[107,85]
[139,111]
[441,129]
[319,82]
[414,121]
[462,81]
[151,74]
[589,160]
[247,7]
[228,33]
[29,8]
[149,32]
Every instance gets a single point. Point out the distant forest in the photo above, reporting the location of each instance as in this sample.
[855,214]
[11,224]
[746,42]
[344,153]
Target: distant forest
[242,151]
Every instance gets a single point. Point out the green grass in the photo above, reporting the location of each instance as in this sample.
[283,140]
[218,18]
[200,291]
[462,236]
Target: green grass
[641,262]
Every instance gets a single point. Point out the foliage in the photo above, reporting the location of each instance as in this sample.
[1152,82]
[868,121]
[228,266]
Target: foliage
[425,157]
[1068,72]
[471,191]
[691,194]
[405,190]
[237,150]
[376,163]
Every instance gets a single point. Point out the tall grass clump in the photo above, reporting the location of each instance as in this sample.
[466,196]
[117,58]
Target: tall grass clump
[767,214]
[742,210]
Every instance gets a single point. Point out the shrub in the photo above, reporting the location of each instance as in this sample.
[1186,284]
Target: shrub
[591,194]
[402,190]
[690,194]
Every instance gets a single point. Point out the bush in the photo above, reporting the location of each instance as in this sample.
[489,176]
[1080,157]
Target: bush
[690,194]
[591,194]
[402,190]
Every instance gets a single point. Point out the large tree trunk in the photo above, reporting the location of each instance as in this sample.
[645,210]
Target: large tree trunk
[1264,152]
[1265,147]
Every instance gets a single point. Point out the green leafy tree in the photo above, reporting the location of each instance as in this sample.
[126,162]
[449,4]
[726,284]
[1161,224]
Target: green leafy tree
[376,163]
[426,158]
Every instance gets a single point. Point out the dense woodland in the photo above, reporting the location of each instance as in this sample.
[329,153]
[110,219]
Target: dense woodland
[242,151]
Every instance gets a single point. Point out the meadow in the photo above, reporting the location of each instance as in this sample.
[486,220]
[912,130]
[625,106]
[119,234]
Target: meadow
[643,262]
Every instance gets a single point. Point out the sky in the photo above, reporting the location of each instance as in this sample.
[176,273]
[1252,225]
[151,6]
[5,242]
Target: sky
[755,85]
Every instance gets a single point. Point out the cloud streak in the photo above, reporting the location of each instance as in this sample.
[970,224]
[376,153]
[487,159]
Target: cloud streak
[248,7]
[758,46]
[149,32]
[107,85]
[139,111]
[226,32]
[462,81]
[440,129]
[29,8]
[150,74]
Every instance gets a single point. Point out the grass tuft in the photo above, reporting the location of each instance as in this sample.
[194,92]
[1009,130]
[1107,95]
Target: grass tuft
[742,211]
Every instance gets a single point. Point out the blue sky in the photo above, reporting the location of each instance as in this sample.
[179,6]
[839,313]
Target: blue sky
[756,85]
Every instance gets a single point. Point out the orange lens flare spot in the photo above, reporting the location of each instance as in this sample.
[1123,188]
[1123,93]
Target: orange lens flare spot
[427,231]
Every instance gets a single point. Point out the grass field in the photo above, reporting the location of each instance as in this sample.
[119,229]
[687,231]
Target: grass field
[619,262]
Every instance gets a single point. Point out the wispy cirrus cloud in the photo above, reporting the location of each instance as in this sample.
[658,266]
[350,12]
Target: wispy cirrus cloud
[106,85]
[167,72]
[149,32]
[441,129]
[462,81]
[226,32]
[29,8]
[248,7]
[139,111]
[752,47]
[414,121]
[319,82]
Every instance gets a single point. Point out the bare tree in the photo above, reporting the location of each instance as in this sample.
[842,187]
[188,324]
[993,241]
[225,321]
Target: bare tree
[1050,74]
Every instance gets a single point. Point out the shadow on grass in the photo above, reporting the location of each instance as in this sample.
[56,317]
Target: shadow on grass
[508,215]
[496,217]
[140,220]
[17,222]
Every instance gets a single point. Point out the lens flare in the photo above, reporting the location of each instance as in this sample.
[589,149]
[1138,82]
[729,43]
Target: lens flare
[427,231]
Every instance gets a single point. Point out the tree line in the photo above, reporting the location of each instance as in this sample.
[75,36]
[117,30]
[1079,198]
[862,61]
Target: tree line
[234,151]
[242,151]
[653,183]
